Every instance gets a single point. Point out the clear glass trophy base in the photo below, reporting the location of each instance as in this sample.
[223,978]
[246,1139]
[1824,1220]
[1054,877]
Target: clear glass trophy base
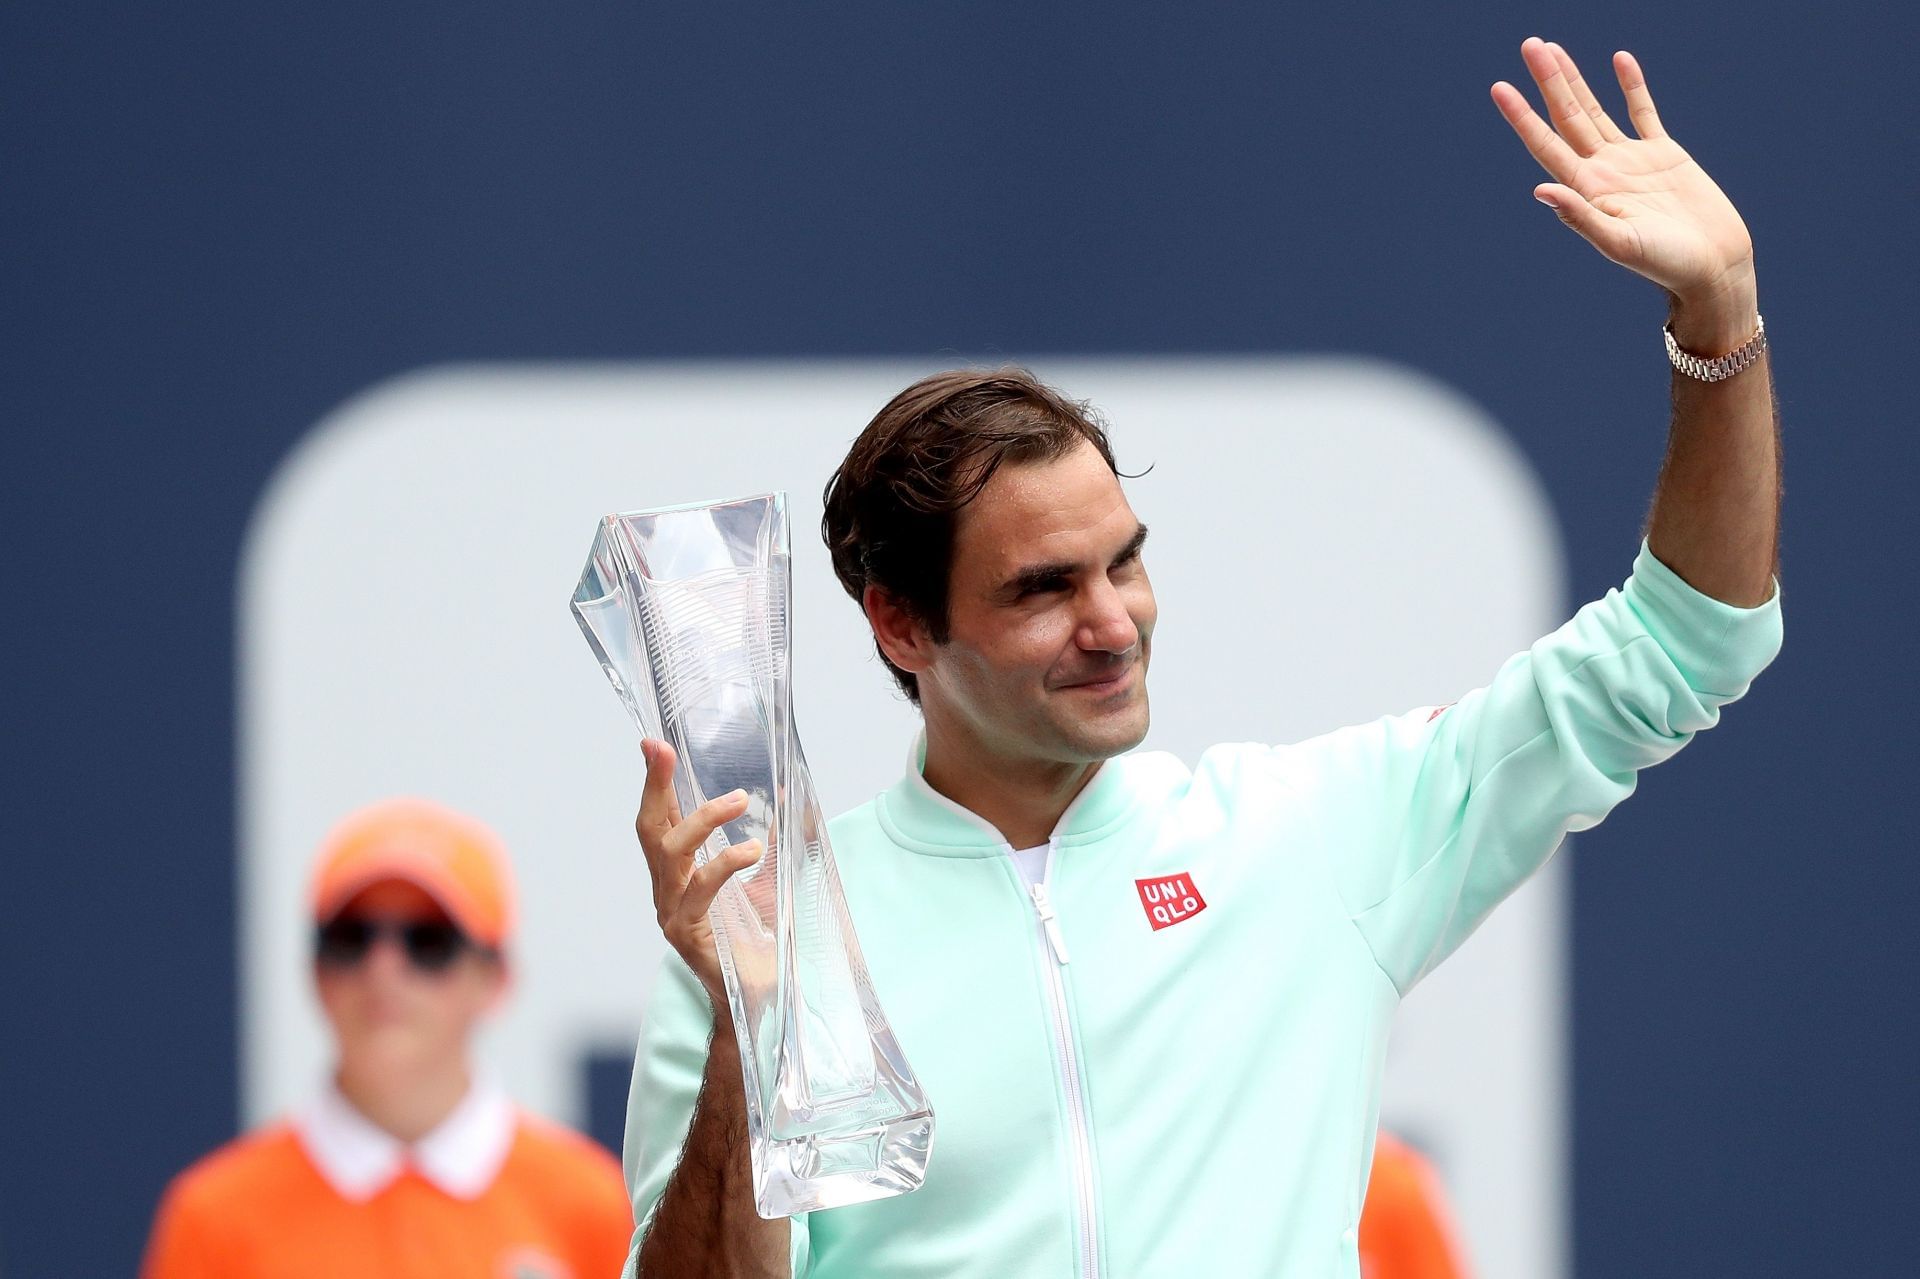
[833,1170]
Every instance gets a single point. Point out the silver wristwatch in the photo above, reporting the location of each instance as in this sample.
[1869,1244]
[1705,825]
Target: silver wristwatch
[1722,368]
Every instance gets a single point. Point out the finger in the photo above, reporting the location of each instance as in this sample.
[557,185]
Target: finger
[1608,234]
[680,843]
[761,893]
[659,807]
[710,878]
[1548,147]
[1584,95]
[1569,117]
[1633,83]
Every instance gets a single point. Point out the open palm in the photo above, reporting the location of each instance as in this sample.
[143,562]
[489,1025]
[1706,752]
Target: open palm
[1642,201]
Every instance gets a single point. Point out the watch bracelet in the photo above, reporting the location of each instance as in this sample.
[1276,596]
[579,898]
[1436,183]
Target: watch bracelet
[1720,368]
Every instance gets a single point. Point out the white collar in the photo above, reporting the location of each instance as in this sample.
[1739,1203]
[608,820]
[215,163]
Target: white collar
[360,1159]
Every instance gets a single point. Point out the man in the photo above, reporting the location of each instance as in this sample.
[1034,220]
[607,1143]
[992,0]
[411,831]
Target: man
[1150,1002]
[406,1164]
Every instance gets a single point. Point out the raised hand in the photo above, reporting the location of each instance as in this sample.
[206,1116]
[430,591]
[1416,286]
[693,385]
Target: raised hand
[1642,201]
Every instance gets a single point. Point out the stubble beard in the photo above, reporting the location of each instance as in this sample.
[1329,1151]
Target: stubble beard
[1100,735]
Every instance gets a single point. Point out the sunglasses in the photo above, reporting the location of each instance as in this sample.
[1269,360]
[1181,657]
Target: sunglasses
[430,945]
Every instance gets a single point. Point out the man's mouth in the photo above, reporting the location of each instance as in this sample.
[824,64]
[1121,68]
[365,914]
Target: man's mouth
[1105,682]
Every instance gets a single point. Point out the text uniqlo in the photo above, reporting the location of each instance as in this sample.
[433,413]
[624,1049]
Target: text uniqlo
[1169,899]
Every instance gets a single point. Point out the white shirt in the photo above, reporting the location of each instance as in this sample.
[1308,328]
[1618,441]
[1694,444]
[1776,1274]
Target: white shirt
[359,1159]
[1032,863]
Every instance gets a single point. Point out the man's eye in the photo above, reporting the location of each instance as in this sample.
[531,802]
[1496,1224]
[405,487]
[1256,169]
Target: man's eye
[1042,588]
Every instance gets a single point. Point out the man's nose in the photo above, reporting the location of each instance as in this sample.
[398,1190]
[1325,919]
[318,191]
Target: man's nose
[1106,626]
[386,957]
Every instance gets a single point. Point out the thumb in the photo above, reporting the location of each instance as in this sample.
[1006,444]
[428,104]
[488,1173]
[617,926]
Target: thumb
[1607,234]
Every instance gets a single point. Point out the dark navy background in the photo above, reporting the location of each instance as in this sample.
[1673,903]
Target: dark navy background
[223,219]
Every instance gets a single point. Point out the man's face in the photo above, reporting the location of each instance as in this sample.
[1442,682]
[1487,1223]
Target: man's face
[1050,617]
[400,1005]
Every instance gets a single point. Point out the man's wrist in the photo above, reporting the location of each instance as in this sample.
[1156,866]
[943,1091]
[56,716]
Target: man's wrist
[724,1040]
[1716,319]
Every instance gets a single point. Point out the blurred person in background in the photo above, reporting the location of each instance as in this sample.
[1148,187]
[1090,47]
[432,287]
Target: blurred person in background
[408,1162]
[1406,1227]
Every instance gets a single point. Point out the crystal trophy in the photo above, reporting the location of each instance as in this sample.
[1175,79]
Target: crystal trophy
[687,609]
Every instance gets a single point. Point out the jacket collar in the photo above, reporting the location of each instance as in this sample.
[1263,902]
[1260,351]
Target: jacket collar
[918,817]
[359,1159]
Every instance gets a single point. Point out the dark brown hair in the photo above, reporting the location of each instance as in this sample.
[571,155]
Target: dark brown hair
[891,506]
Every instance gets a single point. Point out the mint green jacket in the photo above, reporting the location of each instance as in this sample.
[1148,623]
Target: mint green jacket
[1195,1092]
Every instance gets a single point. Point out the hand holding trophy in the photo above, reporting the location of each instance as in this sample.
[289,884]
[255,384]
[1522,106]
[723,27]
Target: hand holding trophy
[687,610]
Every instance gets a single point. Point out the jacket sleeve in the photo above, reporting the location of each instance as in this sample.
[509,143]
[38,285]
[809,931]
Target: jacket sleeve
[667,1069]
[1441,813]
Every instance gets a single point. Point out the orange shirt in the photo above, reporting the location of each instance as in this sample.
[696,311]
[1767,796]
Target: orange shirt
[1404,1227]
[260,1207]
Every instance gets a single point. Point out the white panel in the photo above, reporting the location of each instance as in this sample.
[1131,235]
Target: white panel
[1333,540]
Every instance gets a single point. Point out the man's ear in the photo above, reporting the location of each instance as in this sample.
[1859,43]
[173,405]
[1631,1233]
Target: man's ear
[904,639]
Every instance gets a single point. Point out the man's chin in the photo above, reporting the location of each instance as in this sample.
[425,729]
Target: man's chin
[390,1048]
[1106,736]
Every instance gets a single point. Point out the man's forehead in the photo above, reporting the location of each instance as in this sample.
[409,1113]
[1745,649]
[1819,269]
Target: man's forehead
[1039,509]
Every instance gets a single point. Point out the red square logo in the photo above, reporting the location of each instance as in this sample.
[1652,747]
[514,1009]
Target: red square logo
[1169,899]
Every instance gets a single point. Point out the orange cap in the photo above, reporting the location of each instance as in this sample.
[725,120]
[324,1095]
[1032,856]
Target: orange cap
[458,861]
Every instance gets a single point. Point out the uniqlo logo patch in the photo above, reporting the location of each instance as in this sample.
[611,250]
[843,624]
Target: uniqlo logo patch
[1169,899]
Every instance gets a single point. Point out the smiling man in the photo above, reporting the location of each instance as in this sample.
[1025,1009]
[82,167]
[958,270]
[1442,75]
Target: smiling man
[1150,1001]
[980,523]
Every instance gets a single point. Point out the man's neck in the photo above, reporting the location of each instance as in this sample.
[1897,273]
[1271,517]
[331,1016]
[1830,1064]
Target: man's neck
[407,1105]
[1022,799]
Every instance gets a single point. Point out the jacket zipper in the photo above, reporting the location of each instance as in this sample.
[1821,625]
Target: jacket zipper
[1053,957]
